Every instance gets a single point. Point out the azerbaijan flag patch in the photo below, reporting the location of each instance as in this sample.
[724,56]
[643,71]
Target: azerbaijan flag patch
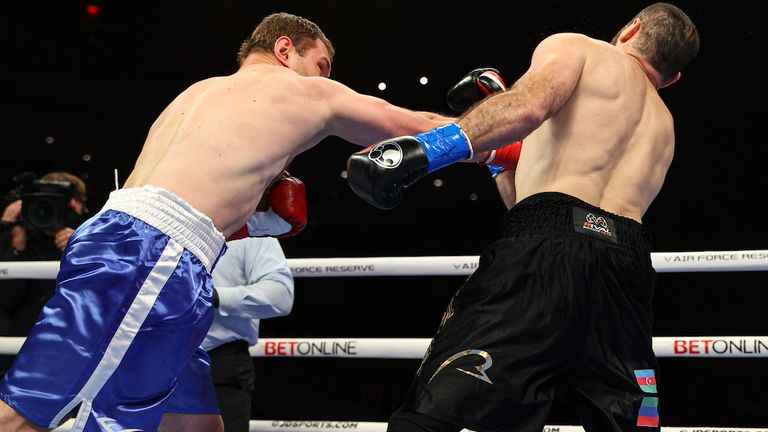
[646,379]
[649,412]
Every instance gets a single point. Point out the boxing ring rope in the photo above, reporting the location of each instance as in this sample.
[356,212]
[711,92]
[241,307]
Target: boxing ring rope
[663,262]
[414,348]
[354,426]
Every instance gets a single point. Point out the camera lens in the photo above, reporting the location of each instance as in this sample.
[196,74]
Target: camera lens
[42,214]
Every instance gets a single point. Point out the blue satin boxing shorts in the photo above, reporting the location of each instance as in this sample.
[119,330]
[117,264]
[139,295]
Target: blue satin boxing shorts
[132,306]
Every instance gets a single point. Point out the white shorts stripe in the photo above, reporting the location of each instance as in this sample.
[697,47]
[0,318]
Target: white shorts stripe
[124,334]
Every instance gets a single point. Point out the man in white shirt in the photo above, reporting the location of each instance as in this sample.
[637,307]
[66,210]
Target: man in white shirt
[252,281]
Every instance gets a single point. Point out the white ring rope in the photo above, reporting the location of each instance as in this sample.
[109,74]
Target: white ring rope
[414,348]
[663,262]
[326,425]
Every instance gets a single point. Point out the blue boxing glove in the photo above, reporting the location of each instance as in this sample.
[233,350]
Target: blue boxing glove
[379,173]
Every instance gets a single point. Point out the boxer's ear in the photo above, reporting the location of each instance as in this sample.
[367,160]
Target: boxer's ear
[282,50]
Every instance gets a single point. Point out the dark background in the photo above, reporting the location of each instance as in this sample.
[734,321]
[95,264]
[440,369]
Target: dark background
[96,84]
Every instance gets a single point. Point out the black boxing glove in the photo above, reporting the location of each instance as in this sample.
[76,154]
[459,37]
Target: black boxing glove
[379,173]
[475,86]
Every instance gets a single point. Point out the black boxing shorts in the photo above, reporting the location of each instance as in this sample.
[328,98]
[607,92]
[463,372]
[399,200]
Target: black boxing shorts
[560,304]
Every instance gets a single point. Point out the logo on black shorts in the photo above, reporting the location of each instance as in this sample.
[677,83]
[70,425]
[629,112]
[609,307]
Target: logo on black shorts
[480,374]
[594,224]
[386,155]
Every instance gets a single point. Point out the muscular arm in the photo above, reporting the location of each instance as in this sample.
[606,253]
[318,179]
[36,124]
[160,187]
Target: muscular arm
[364,120]
[555,70]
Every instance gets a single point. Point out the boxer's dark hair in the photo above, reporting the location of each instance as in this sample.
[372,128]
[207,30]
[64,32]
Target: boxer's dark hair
[302,32]
[668,38]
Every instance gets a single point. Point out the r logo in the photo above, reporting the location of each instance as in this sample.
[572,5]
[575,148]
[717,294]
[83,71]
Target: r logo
[480,374]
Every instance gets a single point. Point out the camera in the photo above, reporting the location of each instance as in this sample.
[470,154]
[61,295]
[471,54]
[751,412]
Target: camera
[44,203]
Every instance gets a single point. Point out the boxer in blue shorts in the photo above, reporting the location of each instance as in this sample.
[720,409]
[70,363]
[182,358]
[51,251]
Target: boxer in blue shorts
[144,295]
[134,291]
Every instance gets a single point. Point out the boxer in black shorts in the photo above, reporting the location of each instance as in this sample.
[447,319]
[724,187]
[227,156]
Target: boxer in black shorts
[562,302]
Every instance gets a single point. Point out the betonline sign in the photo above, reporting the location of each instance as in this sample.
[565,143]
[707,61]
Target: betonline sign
[719,346]
[311,349]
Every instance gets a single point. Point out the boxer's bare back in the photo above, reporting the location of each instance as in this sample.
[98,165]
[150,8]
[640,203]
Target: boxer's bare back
[611,140]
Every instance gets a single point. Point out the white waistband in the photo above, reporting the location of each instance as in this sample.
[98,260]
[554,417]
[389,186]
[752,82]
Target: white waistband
[174,217]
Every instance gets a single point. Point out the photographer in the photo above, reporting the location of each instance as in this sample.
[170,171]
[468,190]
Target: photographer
[56,206]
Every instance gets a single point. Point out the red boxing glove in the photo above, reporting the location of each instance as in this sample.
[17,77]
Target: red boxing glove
[282,211]
[504,158]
